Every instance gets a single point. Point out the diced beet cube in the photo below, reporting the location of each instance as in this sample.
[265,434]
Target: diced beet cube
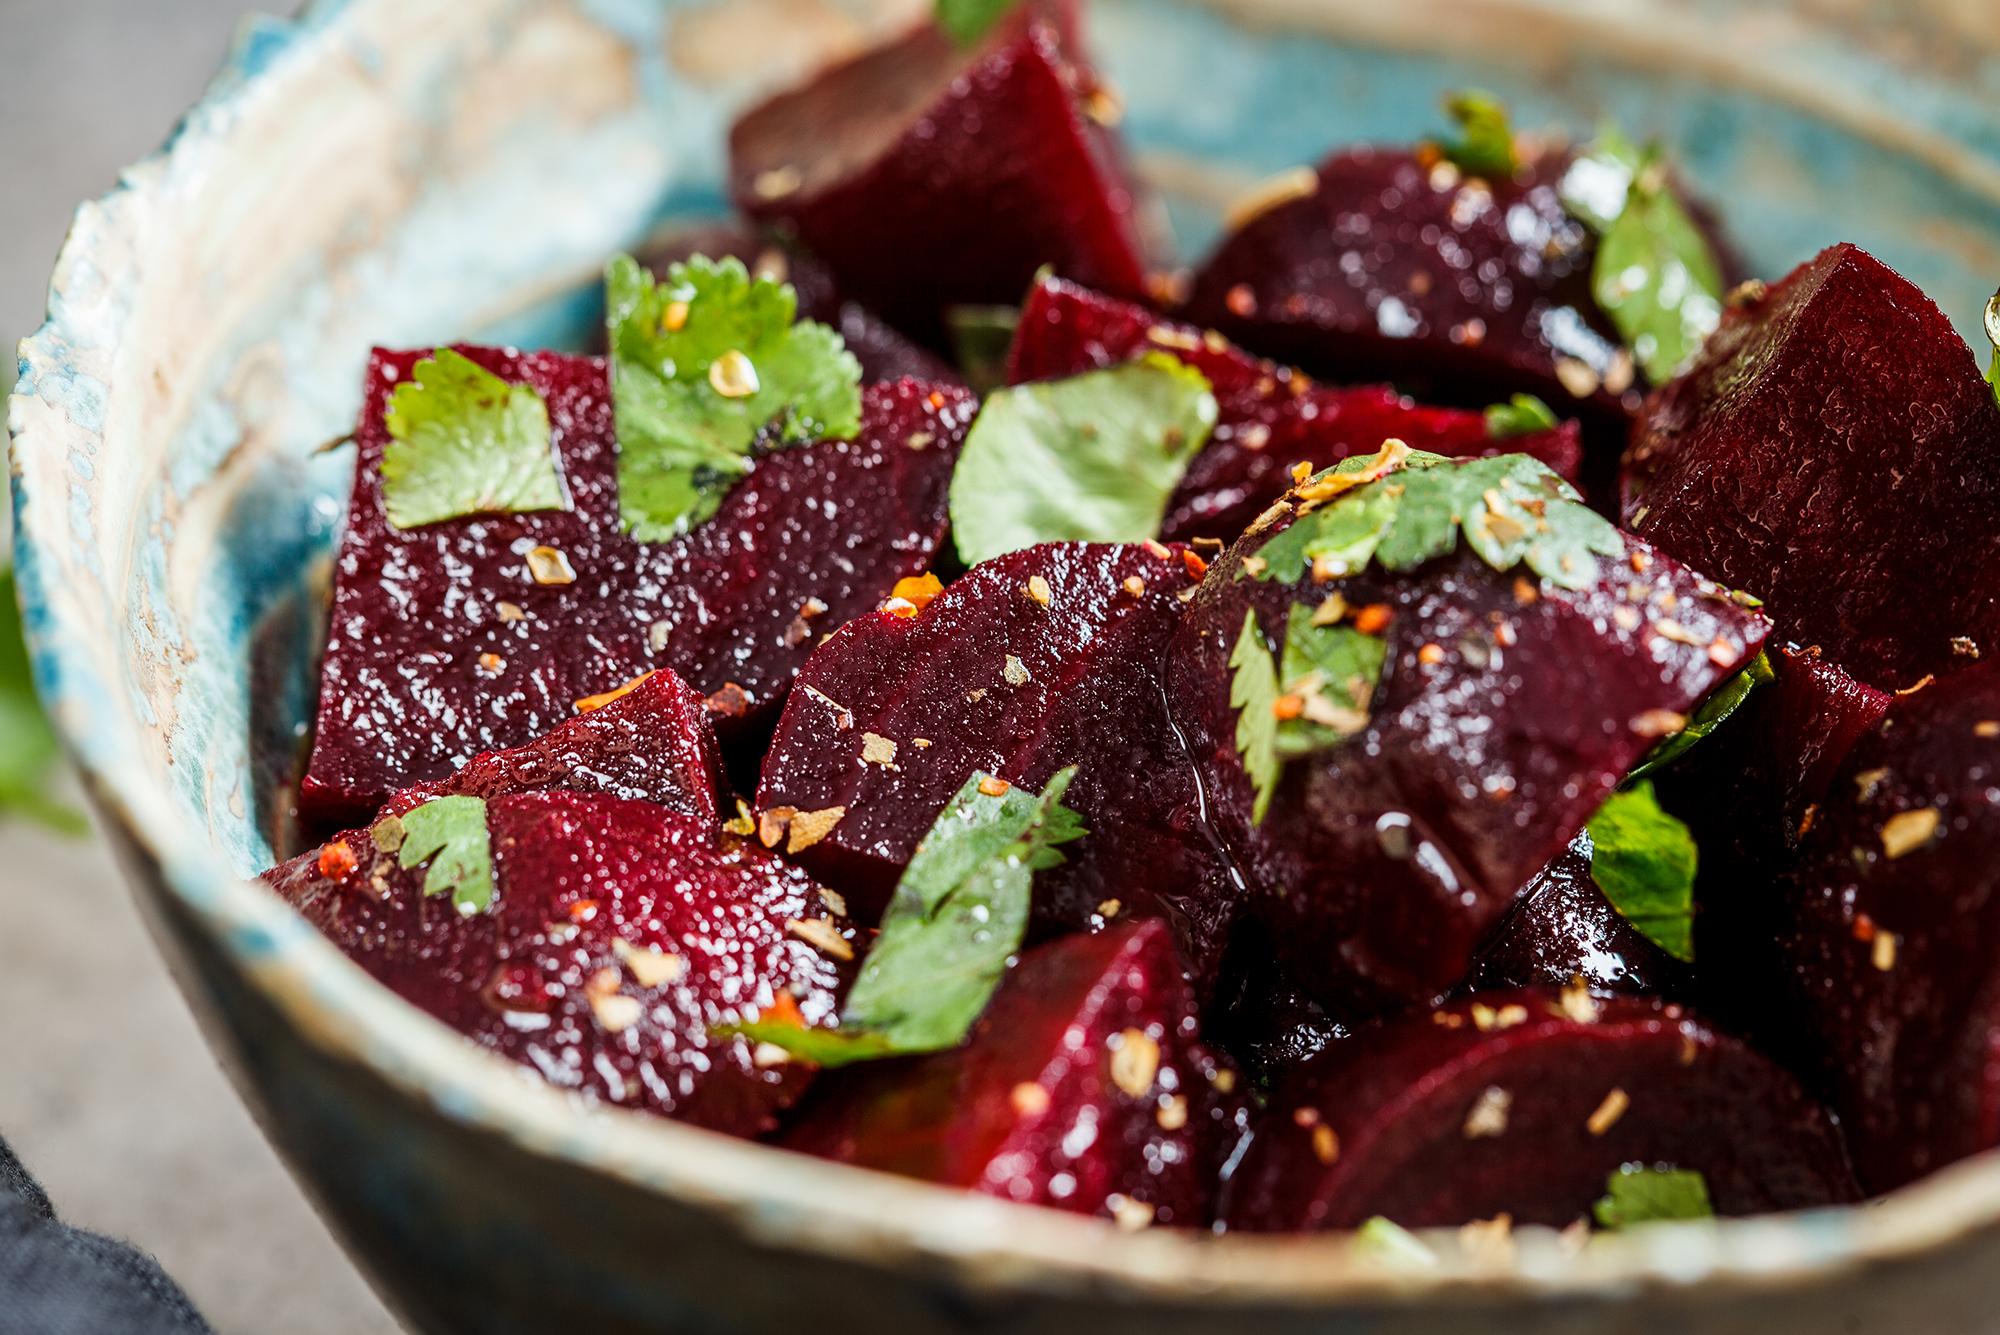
[1462,291]
[1835,450]
[925,176]
[1563,928]
[989,677]
[654,743]
[1511,1103]
[1894,933]
[1082,1087]
[1507,710]
[442,644]
[620,934]
[1270,417]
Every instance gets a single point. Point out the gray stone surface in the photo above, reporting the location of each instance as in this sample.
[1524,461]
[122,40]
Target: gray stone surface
[107,1089]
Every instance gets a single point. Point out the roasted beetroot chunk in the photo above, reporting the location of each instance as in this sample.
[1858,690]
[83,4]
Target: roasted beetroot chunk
[1270,417]
[925,176]
[1835,451]
[1460,291]
[991,677]
[654,743]
[1082,1087]
[443,644]
[1523,1103]
[1506,710]
[620,933]
[1894,939]
[1563,928]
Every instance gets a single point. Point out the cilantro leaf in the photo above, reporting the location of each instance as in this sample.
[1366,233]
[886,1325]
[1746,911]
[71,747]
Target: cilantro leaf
[1637,1194]
[1092,458]
[1511,509]
[1655,274]
[966,21]
[465,442]
[1644,861]
[1487,148]
[1993,337]
[1252,693]
[1523,415]
[701,363]
[450,834]
[958,915]
[29,753]
[1723,701]
[1331,672]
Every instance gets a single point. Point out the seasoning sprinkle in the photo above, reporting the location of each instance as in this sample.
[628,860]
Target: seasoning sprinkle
[337,861]
[1488,1114]
[877,749]
[651,967]
[1882,951]
[1326,1144]
[1907,831]
[822,935]
[994,787]
[1658,723]
[509,612]
[615,1011]
[546,565]
[1109,908]
[1135,586]
[1135,1062]
[1173,1113]
[809,827]
[733,375]
[1015,672]
[1608,1112]
[1130,1215]
[591,702]
[1038,590]
[1029,1099]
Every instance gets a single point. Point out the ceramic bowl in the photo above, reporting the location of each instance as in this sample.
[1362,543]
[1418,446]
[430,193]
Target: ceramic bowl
[411,171]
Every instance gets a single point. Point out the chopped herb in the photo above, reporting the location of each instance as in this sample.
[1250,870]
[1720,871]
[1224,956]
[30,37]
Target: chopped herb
[1523,415]
[966,21]
[1644,861]
[1252,692]
[1723,701]
[1637,1194]
[1092,458]
[702,363]
[465,442]
[958,915]
[1655,274]
[1993,337]
[1511,509]
[450,834]
[1487,148]
[981,337]
[1332,671]
[1392,1242]
[29,754]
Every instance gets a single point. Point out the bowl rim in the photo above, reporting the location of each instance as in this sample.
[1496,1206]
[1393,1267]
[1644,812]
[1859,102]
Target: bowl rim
[773,1196]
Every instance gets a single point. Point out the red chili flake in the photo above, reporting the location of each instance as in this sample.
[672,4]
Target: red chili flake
[1288,706]
[1864,927]
[993,787]
[1242,301]
[732,701]
[336,861]
[1196,567]
[1373,619]
[583,910]
[937,399]
[1430,653]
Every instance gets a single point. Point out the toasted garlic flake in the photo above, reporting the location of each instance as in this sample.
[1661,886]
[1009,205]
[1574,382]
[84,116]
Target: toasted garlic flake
[809,827]
[509,612]
[651,967]
[772,822]
[1908,831]
[733,375]
[1015,671]
[1326,1144]
[1882,951]
[1173,1113]
[1128,1214]
[1135,1062]
[1608,1112]
[615,1011]
[546,565]
[1658,723]
[1578,1004]
[877,749]
[822,935]
[1488,1115]
[1038,589]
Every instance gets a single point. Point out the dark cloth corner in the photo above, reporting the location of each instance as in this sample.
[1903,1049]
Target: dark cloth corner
[58,1280]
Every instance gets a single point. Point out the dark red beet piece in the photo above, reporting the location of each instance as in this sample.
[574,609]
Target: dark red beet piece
[1269,418]
[426,665]
[1085,691]
[1563,928]
[1508,1103]
[1384,862]
[1460,291]
[1835,450]
[558,975]
[926,176]
[1260,1014]
[1894,938]
[655,743]
[1082,1087]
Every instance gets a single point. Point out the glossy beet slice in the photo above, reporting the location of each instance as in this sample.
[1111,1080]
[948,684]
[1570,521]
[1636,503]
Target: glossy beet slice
[883,353]
[1082,1087]
[1835,451]
[1461,291]
[569,973]
[1270,417]
[443,645]
[1894,938]
[991,677]
[925,176]
[1513,1102]
[1562,928]
[1505,713]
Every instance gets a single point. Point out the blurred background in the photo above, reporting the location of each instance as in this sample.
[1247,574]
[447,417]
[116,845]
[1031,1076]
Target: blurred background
[107,1091]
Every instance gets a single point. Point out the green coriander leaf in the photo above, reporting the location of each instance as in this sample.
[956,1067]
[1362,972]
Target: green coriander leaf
[966,21]
[450,834]
[821,1047]
[1523,415]
[954,921]
[1598,182]
[701,363]
[1487,148]
[465,442]
[1637,1194]
[1993,337]
[1644,861]
[1332,671]
[1723,701]
[1092,458]
[1252,692]
[1392,1242]
[29,754]
[981,337]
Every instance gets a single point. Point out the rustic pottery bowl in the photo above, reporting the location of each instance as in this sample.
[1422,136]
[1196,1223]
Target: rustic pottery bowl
[410,171]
